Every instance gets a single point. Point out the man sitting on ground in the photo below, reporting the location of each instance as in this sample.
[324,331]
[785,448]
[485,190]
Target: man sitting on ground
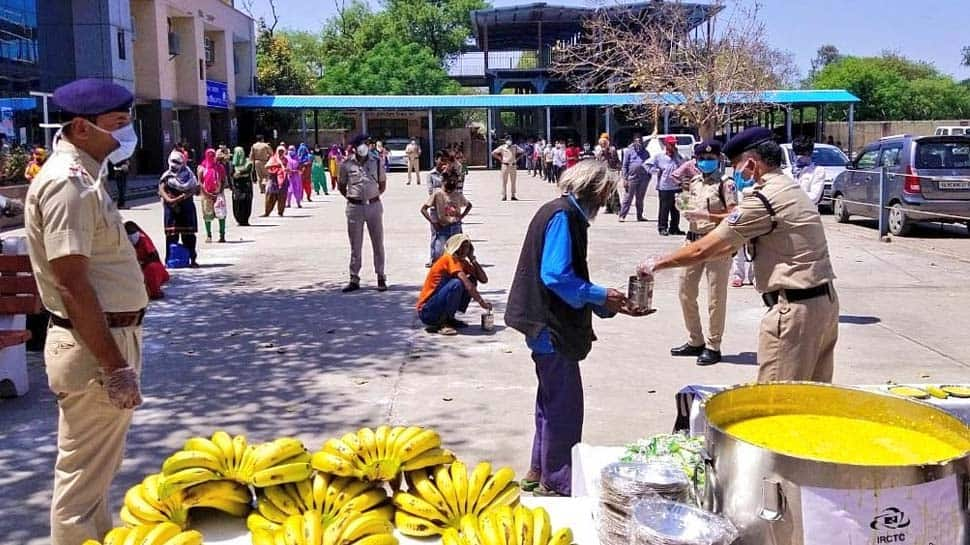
[450,285]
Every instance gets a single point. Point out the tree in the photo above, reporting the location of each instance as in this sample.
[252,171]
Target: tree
[966,55]
[652,50]
[278,74]
[824,56]
[307,51]
[892,87]
[392,67]
[442,25]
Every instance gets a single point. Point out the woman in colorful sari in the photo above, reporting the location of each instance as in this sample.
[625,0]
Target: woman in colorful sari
[176,188]
[318,172]
[334,158]
[293,178]
[305,158]
[212,176]
[276,185]
[242,186]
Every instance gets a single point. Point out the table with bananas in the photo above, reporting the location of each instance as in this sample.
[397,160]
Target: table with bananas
[385,486]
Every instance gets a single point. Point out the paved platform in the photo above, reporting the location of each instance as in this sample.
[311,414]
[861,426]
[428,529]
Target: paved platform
[340,361]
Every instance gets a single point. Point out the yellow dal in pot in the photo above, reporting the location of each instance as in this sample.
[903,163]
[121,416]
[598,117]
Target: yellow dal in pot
[845,440]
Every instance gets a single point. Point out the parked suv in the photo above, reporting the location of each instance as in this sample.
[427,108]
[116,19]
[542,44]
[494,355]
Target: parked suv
[928,177]
[952,131]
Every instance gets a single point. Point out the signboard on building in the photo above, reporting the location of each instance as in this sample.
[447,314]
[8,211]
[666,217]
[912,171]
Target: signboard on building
[216,94]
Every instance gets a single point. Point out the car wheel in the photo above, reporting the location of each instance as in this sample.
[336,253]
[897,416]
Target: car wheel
[839,210]
[899,225]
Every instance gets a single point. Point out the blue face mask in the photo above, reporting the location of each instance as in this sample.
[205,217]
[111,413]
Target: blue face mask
[740,183]
[708,166]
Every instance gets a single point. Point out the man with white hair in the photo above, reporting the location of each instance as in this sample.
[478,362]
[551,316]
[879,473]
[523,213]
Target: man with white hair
[551,302]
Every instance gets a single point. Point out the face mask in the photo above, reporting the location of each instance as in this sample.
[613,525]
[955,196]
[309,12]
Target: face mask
[740,182]
[127,141]
[508,142]
[133,237]
[363,150]
[708,166]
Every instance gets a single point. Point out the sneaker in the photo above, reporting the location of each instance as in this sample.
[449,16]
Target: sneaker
[222,239]
[351,286]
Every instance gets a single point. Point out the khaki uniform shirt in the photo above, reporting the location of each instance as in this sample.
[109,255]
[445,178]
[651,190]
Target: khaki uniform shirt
[712,195]
[362,181]
[795,255]
[260,152]
[413,151]
[508,154]
[68,212]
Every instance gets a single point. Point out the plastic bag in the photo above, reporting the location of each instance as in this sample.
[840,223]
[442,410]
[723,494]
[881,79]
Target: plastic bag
[220,208]
[657,521]
[178,256]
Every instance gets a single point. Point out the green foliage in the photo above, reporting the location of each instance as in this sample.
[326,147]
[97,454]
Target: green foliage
[892,87]
[277,73]
[441,25]
[966,55]
[12,166]
[391,67]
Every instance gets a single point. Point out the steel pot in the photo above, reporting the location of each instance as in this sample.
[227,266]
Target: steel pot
[779,499]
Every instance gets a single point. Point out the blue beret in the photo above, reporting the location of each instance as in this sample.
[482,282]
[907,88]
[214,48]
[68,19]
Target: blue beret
[360,139]
[747,139]
[708,146]
[90,96]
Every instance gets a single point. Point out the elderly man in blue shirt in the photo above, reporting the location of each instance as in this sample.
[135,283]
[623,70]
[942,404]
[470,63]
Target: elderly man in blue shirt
[664,165]
[551,302]
[636,177]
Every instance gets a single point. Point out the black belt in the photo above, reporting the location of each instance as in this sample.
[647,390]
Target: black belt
[361,201]
[115,320]
[693,237]
[771,298]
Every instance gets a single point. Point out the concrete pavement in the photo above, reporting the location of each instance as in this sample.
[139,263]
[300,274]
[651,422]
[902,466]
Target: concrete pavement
[260,340]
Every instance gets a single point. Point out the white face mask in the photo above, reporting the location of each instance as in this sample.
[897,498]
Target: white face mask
[127,141]
[134,237]
[363,150]
[508,142]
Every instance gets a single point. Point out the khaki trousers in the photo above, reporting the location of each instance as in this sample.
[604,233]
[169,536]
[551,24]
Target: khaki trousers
[261,175]
[508,174]
[797,340]
[90,435]
[718,273]
[414,167]
[372,215]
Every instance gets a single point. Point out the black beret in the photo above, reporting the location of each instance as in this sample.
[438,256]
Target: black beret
[708,146]
[360,139]
[747,139]
[90,96]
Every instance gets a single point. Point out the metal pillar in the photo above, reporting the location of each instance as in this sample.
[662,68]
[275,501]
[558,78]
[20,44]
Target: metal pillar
[851,129]
[303,126]
[488,137]
[46,125]
[788,117]
[316,127]
[727,126]
[609,122]
[819,114]
[363,122]
[430,134]
[548,127]
[666,121]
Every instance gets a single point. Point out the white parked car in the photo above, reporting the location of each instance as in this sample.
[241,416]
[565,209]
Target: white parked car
[685,144]
[395,152]
[831,158]
[952,131]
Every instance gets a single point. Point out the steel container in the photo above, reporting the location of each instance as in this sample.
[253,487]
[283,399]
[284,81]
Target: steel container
[488,321]
[761,491]
[640,291]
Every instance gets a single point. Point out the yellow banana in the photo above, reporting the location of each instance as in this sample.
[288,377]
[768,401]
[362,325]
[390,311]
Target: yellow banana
[244,473]
[255,522]
[277,451]
[117,536]
[282,474]
[506,523]
[420,483]
[492,487]
[346,490]
[368,443]
[392,437]
[541,528]
[378,539]
[416,506]
[304,490]
[238,451]
[130,520]
[188,537]
[312,528]
[442,479]
[339,448]
[185,459]
[381,435]
[224,441]
[366,501]
[470,532]
[937,392]
[429,458]
[411,525]
[320,484]
[507,497]
[228,506]
[202,494]
[262,536]
[333,532]
[351,440]
[137,534]
[281,499]
[563,536]
[523,521]
[405,436]
[459,479]
[450,537]
[161,533]
[333,464]
[183,479]
[203,444]
[424,441]
[476,481]
[491,530]
[293,530]
[90,542]
[269,510]
[140,508]
[365,525]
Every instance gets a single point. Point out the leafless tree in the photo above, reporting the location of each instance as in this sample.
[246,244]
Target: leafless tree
[719,69]
[247,7]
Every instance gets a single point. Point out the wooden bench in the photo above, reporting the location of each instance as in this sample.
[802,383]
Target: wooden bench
[18,297]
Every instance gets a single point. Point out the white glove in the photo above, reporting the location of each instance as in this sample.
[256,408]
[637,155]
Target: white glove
[645,269]
[122,388]
[697,215]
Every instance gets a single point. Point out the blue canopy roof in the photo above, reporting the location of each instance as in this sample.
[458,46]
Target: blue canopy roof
[19,103]
[425,102]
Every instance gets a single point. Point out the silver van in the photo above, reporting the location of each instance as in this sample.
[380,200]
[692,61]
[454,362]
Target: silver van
[929,180]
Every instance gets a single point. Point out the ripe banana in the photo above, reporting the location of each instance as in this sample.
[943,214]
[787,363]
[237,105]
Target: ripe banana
[189,537]
[116,536]
[493,487]
[541,526]
[282,474]
[430,458]
[442,479]
[185,459]
[137,534]
[161,533]
[563,536]
[506,526]
[459,479]
[476,482]
[276,452]
[183,479]
[381,454]
[411,525]
[419,483]
[203,495]
[418,507]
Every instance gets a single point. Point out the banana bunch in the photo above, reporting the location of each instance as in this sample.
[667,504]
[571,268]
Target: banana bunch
[381,454]
[313,528]
[144,505]
[166,533]
[327,495]
[507,526]
[430,506]
[226,457]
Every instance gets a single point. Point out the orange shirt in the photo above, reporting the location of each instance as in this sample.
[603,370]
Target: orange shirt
[445,268]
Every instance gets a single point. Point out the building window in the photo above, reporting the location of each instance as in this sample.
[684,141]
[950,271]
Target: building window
[122,53]
[210,51]
[235,61]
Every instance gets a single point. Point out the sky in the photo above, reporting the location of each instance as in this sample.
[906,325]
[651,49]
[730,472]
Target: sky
[930,30]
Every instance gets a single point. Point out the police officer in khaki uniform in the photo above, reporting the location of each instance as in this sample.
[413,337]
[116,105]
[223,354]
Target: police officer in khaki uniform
[413,153]
[90,281]
[712,199]
[260,153]
[362,181]
[785,237]
[508,156]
